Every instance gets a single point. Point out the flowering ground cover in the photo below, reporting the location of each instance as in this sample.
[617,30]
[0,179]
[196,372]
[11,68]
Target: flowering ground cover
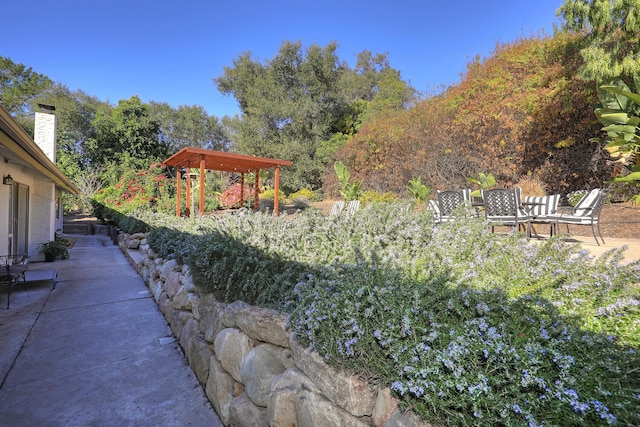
[466,327]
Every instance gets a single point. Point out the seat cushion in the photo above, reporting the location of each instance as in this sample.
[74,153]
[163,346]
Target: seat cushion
[572,219]
[542,206]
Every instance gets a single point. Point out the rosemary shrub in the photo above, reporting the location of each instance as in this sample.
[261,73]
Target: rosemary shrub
[466,327]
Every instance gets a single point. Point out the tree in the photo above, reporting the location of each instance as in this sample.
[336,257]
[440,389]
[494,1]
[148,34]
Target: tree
[129,128]
[373,80]
[612,30]
[289,105]
[125,138]
[19,84]
[304,105]
[189,126]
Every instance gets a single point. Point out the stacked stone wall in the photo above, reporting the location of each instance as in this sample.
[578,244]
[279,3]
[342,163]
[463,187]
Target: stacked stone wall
[251,368]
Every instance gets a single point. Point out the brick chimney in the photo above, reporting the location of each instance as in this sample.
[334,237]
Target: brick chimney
[45,130]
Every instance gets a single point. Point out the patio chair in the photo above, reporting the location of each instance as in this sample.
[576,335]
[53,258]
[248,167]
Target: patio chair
[352,207]
[12,269]
[586,212]
[540,207]
[432,206]
[449,201]
[503,206]
[337,207]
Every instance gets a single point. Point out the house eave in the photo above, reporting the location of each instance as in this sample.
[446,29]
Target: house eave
[19,144]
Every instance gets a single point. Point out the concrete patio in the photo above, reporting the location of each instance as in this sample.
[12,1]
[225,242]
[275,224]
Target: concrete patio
[95,351]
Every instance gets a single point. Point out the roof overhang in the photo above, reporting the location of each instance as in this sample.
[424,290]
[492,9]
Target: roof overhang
[222,161]
[17,146]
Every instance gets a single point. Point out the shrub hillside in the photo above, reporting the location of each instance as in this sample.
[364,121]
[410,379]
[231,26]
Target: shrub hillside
[523,110]
[466,327]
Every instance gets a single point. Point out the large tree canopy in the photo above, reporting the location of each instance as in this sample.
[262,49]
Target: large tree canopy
[19,84]
[612,31]
[294,104]
[188,126]
[125,138]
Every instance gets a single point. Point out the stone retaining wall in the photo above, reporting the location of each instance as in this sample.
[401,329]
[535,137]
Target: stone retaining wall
[252,370]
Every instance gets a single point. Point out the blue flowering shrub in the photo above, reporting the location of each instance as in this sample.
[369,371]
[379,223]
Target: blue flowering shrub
[466,327]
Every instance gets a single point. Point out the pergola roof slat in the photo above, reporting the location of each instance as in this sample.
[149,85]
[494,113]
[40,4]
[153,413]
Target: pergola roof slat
[222,161]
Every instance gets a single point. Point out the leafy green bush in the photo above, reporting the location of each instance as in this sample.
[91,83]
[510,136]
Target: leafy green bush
[575,196]
[302,199]
[371,196]
[211,204]
[349,190]
[485,330]
[306,193]
[418,190]
[465,326]
[301,202]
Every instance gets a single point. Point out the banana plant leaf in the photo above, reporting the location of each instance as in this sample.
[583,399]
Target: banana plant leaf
[632,96]
[632,177]
[610,117]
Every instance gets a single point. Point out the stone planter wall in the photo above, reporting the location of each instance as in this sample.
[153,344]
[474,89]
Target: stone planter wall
[252,370]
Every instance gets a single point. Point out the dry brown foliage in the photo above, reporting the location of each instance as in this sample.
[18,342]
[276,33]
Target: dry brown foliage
[531,186]
[521,111]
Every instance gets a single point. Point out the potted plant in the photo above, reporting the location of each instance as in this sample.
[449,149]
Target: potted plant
[53,249]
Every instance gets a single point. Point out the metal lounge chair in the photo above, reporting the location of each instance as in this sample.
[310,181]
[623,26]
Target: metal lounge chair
[449,201]
[503,207]
[586,212]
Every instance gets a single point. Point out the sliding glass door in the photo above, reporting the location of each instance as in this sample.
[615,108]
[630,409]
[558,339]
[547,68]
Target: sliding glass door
[19,219]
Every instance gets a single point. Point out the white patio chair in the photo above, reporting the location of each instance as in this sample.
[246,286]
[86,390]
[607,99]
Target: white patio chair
[352,207]
[540,207]
[337,207]
[433,207]
[502,206]
[586,212]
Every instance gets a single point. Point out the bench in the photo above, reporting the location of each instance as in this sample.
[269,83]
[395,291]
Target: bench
[14,270]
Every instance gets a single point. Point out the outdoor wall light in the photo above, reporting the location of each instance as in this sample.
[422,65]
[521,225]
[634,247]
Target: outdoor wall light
[7,180]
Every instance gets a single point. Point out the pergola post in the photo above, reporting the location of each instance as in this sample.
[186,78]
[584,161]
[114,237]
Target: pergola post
[188,193]
[276,187]
[202,170]
[241,189]
[178,178]
[256,192]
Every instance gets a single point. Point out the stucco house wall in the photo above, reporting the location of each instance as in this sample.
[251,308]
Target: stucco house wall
[37,183]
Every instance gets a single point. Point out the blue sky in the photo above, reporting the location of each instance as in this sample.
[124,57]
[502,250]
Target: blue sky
[171,51]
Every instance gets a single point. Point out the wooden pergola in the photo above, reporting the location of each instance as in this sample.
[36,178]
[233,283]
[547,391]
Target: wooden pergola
[226,162]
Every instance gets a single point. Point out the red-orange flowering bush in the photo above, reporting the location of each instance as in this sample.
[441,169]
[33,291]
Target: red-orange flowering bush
[147,189]
[230,198]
